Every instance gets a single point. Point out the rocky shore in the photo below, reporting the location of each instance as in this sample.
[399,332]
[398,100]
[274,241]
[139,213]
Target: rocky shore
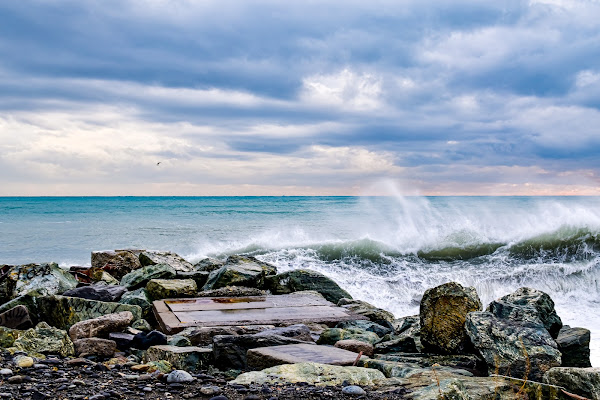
[98,333]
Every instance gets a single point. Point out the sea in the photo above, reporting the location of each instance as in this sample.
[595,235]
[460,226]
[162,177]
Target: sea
[384,250]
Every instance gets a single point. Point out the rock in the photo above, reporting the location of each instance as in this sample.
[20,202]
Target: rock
[394,369]
[6,372]
[49,277]
[526,304]
[574,345]
[179,376]
[306,279]
[403,343]
[101,276]
[208,265]
[8,336]
[101,326]
[451,389]
[171,288]
[374,314]
[63,312]
[22,361]
[203,336]
[297,331]
[264,357]
[143,340]
[442,313]
[116,263]
[138,297]
[185,358]
[165,257]
[123,340]
[469,362]
[141,325]
[581,381]
[517,349]
[402,324]
[95,346]
[250,274]
[230,351]
[28,300]
[370,326]
[269,269]
[179,341]
[355,346]
[312,374]
[16,318]
[200,277]
[162,366]
[140,277]
[100,292]
[210,390]
[353,390]
[232,291]
[333,335]
[44,339]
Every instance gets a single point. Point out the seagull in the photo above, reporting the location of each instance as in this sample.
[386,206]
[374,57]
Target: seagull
[158,163]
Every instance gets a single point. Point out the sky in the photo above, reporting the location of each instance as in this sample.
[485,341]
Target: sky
[166,97]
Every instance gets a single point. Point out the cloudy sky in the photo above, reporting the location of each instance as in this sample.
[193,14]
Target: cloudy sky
[305,97]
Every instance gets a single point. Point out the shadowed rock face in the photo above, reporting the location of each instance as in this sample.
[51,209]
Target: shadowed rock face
[443,313]
[581,381]
[574,345]
[306,279]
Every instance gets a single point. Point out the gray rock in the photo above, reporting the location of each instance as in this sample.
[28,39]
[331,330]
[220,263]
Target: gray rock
[238,273]
[528,305]
[403,343]
[356,346]
[179,376]
[306,279]
[332,335]
[468,362]
[203,336]
[176,262]
[16,318]
[442,313]
[353,390]
[363,308]
[123,340]
[101,326]
[517,349]
[232,291]
[404,323]
[184,358]
[179,341]
[44,339]
[141,325]
[208,265]
[171,288]
[95,346]
[200,277]
[140,277]
[28,300]
[138,297]
[370,326]
[298,331]
[581,381]
[230,351]
[116,263]
[98,292]
[574,345]
[49,277]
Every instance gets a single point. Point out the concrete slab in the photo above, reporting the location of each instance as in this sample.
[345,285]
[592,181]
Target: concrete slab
[266,357]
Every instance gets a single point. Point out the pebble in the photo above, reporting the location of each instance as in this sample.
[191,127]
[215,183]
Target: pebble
[97,397]
[147,389]
[219,398]
[179,376]
[23,361]
[19,379]
[5,372]
[210,390]
[354,390]
[252,397]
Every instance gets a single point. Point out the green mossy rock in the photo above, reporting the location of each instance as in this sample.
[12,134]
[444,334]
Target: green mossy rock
[185,358]
[305,279]
[49,277]
[44,339]
[138,297]
[175,261]
[140,277]
[332,335]
[171,288]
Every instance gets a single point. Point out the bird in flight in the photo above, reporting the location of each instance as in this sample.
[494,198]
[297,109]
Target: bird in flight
[158,163]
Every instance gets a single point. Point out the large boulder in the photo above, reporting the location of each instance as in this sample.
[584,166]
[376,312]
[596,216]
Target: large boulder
[189,358]
[16,318]
[93,346]
[117,263]
[240,271]
[44,339]
[101,326]
[443,313]
[208,265]
[141,277]
[29,300]
[305,279]
[49,277]
[574,345]
[518,349]
[200,277]
[528,305]
[138,297]
[581,381]
[63,312]
[408,341]
[375,314]
[171,288]
[175,261]
[370,326]
[312,374]
[100,292]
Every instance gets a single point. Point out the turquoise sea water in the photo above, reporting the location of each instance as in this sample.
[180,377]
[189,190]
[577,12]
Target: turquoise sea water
[385,250]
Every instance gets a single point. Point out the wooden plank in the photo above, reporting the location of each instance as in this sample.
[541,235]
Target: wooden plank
[234,303]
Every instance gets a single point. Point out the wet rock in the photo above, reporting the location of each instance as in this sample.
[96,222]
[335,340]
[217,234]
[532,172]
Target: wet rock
[238,273]
[306,279]
[63,312]
[95,346]
[581,381]
[143,340]
[333,335]
[179,341]
[208,265]
[44,339]
[171,288]
[370,326]
[141,277]
[138,297]
[527,305]
[512,348]
[99,292]
[101,326]
[185,358]
[403,343]
[574,345]
[355,346]
[365,309]
[312,374]
[442,313]
[16,318]
[49,277]
[297,331]
[175,261]
[116,263]
[179,376]
[200,277]
[230,351]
